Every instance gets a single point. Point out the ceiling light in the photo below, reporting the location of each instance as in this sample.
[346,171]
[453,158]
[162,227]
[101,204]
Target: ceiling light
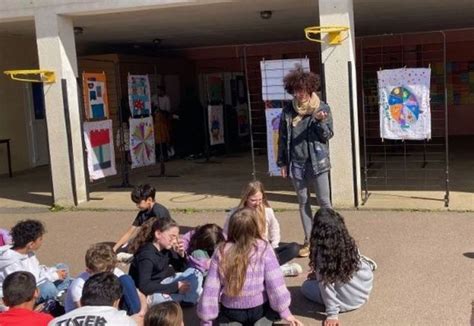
[78,30]
[157,41]
[266,14]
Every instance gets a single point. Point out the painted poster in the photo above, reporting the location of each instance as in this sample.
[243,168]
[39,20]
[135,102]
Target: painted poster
[139,96]
[215,116]
[273,71]
[404,103]
[100,149]
[243,125]
[272,117]
[142,142]
[96,102]
[215,88]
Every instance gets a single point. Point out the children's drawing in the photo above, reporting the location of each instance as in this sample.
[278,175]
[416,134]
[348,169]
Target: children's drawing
[100,149]
[139,97]
[142,142]
[216,124]
[96,101]
[272,117]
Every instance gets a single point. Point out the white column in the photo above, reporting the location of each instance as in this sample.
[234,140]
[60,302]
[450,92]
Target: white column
[335,59]
[57,51]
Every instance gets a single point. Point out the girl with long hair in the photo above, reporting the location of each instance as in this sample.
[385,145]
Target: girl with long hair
[244,283]
[341,278]
[303,144]
[254,197]
[159,265]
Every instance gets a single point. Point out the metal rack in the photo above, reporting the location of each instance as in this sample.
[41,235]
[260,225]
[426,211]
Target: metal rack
[404,164]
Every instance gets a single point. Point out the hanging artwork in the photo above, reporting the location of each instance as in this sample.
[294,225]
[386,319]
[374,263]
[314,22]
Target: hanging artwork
[404,100]
[96,102]
[273,72]
[142,142]
[100,149]
[243,120]
[215,91]
[139,97]
[272,117]
[216,124]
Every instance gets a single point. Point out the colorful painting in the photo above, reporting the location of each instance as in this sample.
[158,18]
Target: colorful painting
[100,149]
[216,124]
[272,117]
[243,125]
[404,97]
[273,72]
[142,142]
[139,96]
[96,102]
[215,89]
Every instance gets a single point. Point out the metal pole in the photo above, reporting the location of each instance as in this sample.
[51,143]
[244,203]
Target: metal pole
[254,173]
[446,196]
[353,143]
[366,186]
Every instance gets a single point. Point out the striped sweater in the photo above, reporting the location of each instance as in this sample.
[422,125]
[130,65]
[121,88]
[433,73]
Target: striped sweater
[263,282]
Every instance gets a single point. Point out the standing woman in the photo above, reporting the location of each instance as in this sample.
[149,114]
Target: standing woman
[303,152]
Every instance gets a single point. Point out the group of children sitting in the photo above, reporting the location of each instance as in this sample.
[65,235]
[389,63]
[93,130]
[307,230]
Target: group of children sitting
[235,275]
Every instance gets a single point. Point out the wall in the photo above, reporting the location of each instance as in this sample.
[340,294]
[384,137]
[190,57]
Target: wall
[15,53]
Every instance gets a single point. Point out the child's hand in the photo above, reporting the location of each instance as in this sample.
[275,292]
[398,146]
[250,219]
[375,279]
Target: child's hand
[293,321]
[332,322]
[179,247]
[183,287]
[62,274]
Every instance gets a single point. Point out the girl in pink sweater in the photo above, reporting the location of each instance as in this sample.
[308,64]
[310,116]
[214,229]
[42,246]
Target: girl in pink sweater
[244,283]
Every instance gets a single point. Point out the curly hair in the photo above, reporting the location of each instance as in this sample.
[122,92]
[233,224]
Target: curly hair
[334,255]
[100,257]
[300,80]
[25,232]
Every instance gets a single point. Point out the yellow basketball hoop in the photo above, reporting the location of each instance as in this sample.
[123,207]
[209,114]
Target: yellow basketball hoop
[42,76]
[334,33]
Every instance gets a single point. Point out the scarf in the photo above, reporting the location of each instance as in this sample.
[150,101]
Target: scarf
[305,108]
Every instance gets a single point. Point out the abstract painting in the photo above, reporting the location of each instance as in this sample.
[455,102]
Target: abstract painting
[404,97]
[216,124]
[96,102]
[139,96]
[100,149]
[142,142]
[272,117]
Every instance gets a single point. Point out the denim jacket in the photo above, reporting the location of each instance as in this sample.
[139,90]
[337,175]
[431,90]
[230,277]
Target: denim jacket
[319,133]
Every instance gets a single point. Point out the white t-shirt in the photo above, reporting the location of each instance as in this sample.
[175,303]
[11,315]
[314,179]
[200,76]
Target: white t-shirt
[74,292]
[94,315]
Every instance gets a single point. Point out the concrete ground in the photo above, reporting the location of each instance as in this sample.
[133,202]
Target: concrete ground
[426,259]
[218,184]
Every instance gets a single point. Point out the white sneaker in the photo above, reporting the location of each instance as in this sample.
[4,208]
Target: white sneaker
[291,269]
[124,257]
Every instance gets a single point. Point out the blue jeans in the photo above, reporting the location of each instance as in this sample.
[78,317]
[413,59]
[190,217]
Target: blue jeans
[310,289]
[130,302]
[191,275]
[49,290]
[303,177]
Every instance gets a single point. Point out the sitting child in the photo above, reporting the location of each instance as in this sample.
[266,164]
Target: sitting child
[167,313]
[99,305]
[5,238]
[200,244]
[20,294]
[27,237]
[158,264]
[144,197]
[341,278]
[101,258]
[245,284]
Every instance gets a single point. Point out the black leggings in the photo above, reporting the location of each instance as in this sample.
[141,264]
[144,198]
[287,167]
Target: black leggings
[286,252]
[263,315]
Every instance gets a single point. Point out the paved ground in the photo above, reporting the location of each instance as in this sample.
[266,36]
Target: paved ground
[426,260]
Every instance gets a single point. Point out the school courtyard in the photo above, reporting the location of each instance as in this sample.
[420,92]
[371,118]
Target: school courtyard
[425,272]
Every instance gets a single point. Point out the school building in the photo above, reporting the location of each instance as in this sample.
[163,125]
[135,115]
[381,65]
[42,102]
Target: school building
[180,43]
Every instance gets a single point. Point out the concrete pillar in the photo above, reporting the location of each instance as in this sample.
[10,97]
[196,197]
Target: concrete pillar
[335,59]
[57,51]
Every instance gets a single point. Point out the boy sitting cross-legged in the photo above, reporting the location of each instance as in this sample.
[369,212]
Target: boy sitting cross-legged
[27,237]
[101,258]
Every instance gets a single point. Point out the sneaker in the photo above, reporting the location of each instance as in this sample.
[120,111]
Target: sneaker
[371,262]
[304,251]
[291,269]
[124,257]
